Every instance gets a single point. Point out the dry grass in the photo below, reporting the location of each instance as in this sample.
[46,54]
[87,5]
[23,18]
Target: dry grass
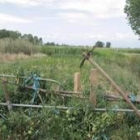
[6,57]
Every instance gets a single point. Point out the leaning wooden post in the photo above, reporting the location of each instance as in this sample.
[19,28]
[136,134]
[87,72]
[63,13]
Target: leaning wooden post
[7,98]
[77,82]
[93,84]
[120,91]
[0,137]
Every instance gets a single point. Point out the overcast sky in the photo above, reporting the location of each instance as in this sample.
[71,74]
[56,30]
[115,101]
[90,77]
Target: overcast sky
[78,22]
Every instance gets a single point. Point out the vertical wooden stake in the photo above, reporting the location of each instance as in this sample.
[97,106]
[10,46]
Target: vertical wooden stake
[93,83]
[4,84]
[122,93]
[0,137]
[77,83]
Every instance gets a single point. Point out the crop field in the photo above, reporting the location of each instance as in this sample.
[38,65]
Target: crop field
[80,122]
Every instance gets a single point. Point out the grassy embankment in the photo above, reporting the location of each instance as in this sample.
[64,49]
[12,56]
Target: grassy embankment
[61,63]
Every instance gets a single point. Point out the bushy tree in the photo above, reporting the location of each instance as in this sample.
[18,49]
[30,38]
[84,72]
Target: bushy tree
[99,44]
[33,39]
[108,44]
[9,34]
[28,37]
[132,9]
[17,35]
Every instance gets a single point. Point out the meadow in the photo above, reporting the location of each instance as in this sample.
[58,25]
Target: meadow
[60,63]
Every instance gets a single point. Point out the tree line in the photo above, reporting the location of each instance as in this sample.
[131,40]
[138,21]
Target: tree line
[17,35]
[101,44]
[35,40]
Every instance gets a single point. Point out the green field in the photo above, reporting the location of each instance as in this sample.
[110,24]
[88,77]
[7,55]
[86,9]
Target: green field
[82,123]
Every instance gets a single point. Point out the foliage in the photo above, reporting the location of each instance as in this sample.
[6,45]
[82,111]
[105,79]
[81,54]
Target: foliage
[17,35]
[132,9]
[50,44]
[9,45]
[56,124]
[63,50]
[99,44]
[71,124]
[9,34]
[108,44]
[32,39]
[128,50]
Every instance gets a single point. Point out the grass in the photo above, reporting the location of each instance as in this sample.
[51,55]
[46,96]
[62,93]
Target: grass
[134,51]
[16,46]
[7,57]
[61,63]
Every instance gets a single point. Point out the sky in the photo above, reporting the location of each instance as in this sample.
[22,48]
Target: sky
[73,22]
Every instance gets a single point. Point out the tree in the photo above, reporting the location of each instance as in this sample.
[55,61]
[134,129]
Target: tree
[4,33]
[33,39]
[17,35]
[50,44]
[40,41]
[99,44]
[28,37]
[108,44]
[14,34]
[36,40]
[132,9]
[9,34]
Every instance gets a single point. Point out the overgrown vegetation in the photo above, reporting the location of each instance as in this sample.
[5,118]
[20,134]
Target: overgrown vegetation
[17,46]
[60,64]
[134,51]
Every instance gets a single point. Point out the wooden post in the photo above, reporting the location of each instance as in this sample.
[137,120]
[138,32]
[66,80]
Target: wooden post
[77,83]
[120,91]
[7,98]
[93,83]
[0,137]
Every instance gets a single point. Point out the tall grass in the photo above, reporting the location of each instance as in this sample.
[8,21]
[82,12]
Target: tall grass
[63,50]
[134,50]
[9,45]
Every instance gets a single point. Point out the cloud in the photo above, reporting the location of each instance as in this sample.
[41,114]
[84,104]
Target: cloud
[106,36]
[27,3]
[123,36]
[98,8]
[96,36]
[72,16]
[6,18]
[55,37]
